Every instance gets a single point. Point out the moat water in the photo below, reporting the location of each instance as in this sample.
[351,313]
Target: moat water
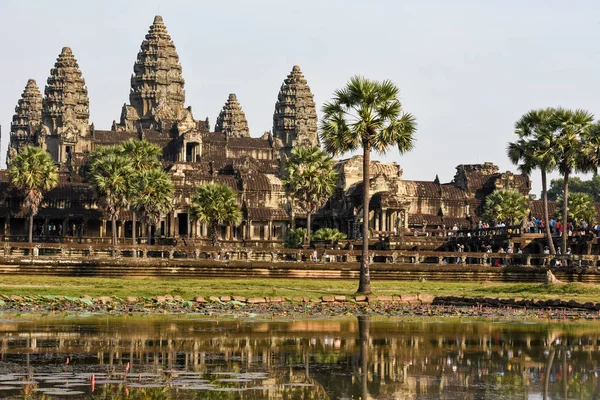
[257,357]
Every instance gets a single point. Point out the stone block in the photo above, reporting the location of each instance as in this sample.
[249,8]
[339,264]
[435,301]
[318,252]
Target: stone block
[131,299]
[372,299]
[214,299]
[385,299]
[225,299]
[328,299]
[426,298]
[340,298]
[256,300]
[169,297]
[16,298]
[241,299]
[315,300]
[274,299]
[409,297]
[105,299]
[298,299]
[177,298]
[200,299]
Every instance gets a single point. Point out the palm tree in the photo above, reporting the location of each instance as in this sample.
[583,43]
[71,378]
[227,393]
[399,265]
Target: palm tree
[310,180]
[572,128]
[534,148]
[152,197]
[329,235]
[215,204]
[33,172]
[580,207]
[366,114]
[144,157]
[109,175]
[505,206]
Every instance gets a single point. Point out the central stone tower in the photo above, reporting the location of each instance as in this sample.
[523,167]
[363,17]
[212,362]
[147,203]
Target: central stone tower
[156,84]
[295,117]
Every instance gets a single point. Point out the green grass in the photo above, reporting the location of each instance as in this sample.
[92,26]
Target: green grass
[189,288]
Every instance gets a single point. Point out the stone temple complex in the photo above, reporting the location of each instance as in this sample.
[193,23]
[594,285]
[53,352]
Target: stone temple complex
[195,154]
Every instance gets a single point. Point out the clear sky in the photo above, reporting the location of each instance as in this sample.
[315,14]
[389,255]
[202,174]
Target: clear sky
[466,69]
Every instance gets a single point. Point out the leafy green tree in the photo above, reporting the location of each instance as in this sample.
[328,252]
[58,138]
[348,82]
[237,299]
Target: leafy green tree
[144,157]
[576,184]
[581,208]
[215,204]
[109,175]
[534,149]
[152,197]
[310,180]
[329,235]
[505,205]
[572,129]
[366,114]
[294,238]
[33,172]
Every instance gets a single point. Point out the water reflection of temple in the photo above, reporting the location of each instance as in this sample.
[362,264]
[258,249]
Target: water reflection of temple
[403,359]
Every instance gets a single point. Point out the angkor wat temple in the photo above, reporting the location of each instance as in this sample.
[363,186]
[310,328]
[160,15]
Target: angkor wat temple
[195,154]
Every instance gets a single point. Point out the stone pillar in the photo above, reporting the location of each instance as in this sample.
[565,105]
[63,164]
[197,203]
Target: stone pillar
[249,230]
[102,228]
[84,227]
[65,226]
[46,222]
[270,227]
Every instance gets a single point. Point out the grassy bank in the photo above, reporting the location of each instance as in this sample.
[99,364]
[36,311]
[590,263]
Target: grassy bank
[189,288]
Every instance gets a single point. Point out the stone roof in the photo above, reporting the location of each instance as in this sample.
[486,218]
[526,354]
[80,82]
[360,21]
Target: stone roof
[232,119]
[248,143]
[28,110]
[108,138]
[265,214]
[295,116]
[66,98]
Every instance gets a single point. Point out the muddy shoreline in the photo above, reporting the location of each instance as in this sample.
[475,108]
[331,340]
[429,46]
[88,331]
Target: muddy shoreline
[393,306]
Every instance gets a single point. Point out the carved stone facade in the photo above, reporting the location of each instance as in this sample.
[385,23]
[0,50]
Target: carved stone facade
[194,155]
[27,119]
[295,117]
[232,119]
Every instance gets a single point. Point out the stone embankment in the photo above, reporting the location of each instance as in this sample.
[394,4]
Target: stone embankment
[400,305]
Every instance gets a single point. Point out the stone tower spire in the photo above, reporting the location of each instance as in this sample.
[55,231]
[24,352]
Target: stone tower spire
[295,117]
[65,108]
[157,84]
[27,119]
[232,119]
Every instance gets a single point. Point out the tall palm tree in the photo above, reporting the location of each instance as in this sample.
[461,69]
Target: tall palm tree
[109,175]
[33,172]
[366,114]
[144,157]
[310,180]
[152,196]
[534,148]
[572,128]
[215,204]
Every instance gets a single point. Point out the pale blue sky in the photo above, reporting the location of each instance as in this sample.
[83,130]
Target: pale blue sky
[466,69]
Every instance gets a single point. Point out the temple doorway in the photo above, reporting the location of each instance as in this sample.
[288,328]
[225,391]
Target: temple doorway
[183,224]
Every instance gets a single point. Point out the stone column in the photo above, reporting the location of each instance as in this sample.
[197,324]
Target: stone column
[249,229]
[270,227]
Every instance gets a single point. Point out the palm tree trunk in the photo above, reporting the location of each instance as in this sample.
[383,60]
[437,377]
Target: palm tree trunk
[133,226]
[546,218]
[114,229]
[214,235]
[308,222]
[364,285]
[565,215]
[364,323]
[30,228]
[547,374]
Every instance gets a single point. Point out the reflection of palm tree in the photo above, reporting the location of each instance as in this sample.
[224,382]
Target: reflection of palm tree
[364,323]
[548,369]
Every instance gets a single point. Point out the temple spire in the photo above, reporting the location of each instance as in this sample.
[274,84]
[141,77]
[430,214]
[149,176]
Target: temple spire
[295,116]
[232,119]
[66,104]
[156,85]
[26,120]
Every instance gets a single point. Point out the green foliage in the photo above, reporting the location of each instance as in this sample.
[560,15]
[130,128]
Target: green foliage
[151,195]
[294,238]
[310,179]
[329,234]
[576,185]
[215,204]
[580,207]
[109,176]
[143,154]
[33,172]
[507,206]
